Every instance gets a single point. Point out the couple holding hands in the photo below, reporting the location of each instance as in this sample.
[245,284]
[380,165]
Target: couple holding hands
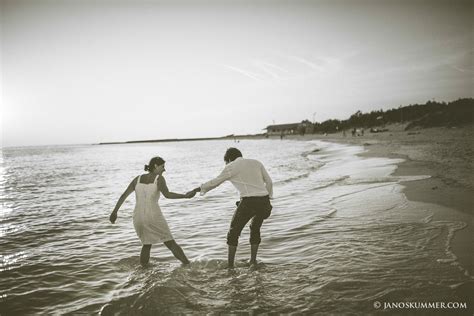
[247,175]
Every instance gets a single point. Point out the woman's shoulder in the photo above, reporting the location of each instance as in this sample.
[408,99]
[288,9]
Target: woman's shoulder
[160,178]
[142,178]
[135,179]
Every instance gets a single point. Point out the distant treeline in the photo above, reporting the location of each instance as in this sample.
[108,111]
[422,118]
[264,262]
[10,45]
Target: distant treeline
[430,114]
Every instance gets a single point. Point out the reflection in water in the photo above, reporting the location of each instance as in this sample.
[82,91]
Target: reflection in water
[341,236]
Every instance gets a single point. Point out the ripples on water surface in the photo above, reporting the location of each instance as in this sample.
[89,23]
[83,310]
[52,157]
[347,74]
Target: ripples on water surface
[341,235]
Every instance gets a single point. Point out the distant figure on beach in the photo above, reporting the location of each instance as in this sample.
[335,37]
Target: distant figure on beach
[353,132]
[150,224]
[256,188]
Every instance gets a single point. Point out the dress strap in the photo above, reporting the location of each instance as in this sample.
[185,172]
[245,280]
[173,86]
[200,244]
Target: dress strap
[156,179]
[138,181]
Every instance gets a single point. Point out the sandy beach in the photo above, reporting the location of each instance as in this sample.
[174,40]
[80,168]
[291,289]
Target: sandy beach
[352,225]
[443,153]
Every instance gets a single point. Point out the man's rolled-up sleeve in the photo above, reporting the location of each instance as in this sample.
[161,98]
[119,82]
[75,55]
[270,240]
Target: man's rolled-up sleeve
[214,183]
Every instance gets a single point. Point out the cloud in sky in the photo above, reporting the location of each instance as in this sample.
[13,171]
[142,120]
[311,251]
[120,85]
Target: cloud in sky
[244,72]
[91,71]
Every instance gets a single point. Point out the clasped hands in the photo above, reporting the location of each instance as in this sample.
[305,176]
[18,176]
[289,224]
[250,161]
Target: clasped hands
[192,193]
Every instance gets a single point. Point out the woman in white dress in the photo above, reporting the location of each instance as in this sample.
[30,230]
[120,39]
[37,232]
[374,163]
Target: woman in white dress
[150,224]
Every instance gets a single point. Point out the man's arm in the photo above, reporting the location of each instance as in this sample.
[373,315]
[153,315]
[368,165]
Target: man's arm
[268,181]
[225,175]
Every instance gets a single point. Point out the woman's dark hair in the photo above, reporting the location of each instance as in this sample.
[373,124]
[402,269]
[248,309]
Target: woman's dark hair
[231,154]
[154,161]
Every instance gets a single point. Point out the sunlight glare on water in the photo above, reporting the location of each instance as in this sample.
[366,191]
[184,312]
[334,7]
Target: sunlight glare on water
[341,234]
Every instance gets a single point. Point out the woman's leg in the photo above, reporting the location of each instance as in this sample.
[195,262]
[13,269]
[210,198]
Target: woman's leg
[145,255]
[177,251]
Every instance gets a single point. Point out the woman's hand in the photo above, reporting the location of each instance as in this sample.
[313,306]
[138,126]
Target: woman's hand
[190,194]
[113,217]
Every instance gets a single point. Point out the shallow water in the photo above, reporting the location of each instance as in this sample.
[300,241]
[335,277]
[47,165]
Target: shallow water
[341,236]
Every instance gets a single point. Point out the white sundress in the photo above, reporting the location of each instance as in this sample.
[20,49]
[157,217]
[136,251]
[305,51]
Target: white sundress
[150,224]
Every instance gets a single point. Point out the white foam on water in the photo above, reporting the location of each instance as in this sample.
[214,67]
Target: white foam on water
[341,233]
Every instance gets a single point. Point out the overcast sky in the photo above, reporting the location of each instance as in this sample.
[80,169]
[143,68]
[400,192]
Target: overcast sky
[94,71]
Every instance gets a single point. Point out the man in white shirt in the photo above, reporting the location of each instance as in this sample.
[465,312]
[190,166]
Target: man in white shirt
[256,188]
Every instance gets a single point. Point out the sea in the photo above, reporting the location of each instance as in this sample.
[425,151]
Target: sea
[342,239]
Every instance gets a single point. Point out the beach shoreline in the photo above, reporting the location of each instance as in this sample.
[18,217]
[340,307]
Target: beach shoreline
[445,154]
[354,237]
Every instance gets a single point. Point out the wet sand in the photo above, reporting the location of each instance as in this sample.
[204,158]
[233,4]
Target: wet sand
[443,153]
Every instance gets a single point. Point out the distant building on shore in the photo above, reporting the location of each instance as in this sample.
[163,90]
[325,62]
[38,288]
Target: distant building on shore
[284,129]
[289,129]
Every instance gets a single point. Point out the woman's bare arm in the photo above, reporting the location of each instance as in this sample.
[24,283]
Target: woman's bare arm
[172,195]
[123,197]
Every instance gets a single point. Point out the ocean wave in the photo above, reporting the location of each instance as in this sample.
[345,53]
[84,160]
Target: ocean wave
[294,178]
[341,234]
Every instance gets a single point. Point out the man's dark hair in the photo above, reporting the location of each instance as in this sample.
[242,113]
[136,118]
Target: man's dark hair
[231,154]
